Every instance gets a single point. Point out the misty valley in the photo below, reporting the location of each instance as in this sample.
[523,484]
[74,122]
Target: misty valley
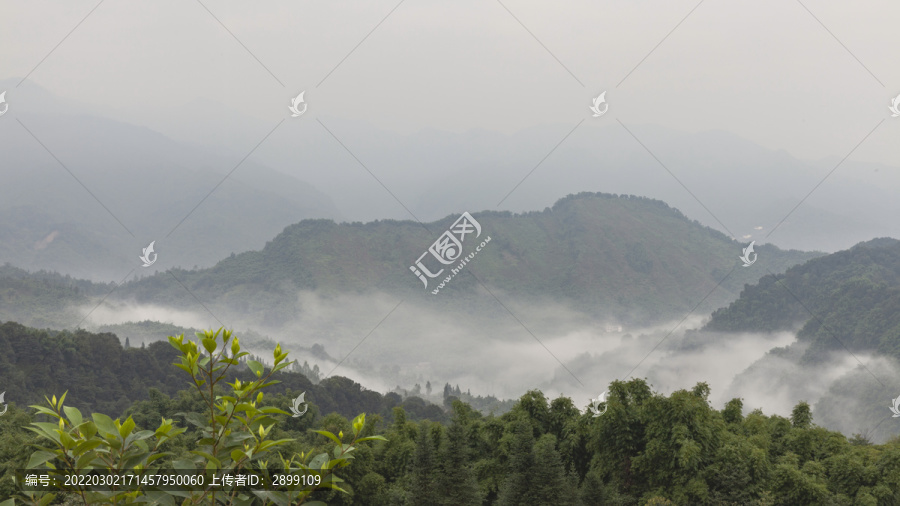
[454,253]
[489,385]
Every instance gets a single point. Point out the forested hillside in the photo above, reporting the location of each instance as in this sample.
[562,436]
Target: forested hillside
[845,311]
[101,375]
[851,295]
[44,299]
[630,258]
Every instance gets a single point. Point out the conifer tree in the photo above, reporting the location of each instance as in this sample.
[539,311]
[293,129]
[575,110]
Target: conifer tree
[801,416]
[457,484]
[515,488]
[424,483]
[548,481]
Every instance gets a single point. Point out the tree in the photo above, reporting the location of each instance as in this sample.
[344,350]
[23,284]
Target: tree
[548,480]
[790,485]
[424,480]
[734,411]
[235,431]
[516,487]
[801,416]
[534,406]
[457,485]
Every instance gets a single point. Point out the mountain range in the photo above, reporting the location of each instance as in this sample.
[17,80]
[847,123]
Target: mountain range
[84,194]
[87,190]
[624,258]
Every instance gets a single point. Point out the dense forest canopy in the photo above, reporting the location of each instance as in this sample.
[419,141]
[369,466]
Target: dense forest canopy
[101,375]
[646,448]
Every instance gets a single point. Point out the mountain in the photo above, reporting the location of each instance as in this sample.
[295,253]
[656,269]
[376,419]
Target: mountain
[844,309]
[84,194]
[850,298]
[628,258]
[44,299]
[745,189]
[558,276]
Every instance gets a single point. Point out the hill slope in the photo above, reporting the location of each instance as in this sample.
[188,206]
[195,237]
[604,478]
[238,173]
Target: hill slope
[845,310]
[850,297]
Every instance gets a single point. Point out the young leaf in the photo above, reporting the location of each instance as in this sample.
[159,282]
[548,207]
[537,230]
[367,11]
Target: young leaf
[371,438]
[105,423]
[328,435]
[256,367]
[38,458]
[73,414]
[126,428]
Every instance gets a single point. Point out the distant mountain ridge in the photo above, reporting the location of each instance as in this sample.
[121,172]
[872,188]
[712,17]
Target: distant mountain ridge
[83,194]
[626,257]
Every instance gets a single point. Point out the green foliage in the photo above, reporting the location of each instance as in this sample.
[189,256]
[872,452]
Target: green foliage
[801,415]
[100,375]
[234,431]
[518,452]
[456,483]
[424,472]
[647,448]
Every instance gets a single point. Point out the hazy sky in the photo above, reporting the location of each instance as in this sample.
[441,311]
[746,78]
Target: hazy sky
[765,70]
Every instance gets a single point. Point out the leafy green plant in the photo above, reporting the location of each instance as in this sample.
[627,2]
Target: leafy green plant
[233,436]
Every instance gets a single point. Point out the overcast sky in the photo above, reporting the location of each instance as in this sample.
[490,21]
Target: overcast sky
[812,78]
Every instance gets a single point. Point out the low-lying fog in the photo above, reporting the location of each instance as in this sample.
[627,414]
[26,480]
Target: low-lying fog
[385,342]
